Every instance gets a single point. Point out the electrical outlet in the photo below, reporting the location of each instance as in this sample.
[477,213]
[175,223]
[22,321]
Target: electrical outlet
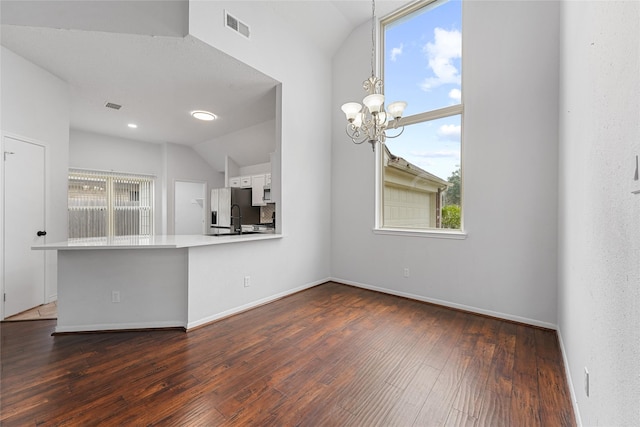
[115,296]
[406,272]
[586,381]
[247,281]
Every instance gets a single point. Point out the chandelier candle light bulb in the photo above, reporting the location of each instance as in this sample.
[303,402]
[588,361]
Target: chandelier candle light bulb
[351,110]
[374,102]
[370,122]
[396,109]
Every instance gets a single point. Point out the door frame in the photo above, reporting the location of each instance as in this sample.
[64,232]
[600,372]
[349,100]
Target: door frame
[45,146]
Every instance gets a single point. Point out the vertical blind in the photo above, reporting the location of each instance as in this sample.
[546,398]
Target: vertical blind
[104,204]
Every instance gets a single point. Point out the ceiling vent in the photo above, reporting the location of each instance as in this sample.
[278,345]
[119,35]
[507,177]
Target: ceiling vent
[113,106]
[236,25]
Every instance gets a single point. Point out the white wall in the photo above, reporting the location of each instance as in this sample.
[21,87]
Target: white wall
[248,146]
[507,264]
[258,169]
[152,285]
[301,257]
[103,152]
[34,106]
[599,275]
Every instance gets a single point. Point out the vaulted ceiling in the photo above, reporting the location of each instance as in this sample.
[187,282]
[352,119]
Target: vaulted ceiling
[102,49]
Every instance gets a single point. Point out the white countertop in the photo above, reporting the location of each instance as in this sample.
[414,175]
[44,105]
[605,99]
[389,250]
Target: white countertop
[153,242]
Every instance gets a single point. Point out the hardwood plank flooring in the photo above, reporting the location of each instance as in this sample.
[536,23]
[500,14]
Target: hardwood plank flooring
[333,355]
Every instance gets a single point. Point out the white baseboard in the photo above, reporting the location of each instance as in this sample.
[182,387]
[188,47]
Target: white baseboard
[567,372]
[181,324]
[103,327]
[253,304]
[471,309]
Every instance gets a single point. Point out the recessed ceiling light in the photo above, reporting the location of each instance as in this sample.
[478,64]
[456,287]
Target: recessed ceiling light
[203,115]
[133,125]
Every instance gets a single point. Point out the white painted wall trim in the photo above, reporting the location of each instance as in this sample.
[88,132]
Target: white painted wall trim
[104,327]
[496,314]
[436,234]
[254,304]
[567,372]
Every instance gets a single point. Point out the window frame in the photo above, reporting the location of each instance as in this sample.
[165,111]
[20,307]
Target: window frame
[111,208]
[427,116]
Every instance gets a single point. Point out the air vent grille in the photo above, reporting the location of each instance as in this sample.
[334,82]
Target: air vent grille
[236,25]
[113,106]
[232,22]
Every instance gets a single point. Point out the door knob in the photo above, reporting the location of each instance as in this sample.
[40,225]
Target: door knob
[41,233]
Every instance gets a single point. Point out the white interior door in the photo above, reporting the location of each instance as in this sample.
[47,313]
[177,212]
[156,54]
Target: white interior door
[190,207]
[24,219]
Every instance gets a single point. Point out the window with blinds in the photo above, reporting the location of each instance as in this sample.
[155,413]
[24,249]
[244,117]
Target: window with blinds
[105,204]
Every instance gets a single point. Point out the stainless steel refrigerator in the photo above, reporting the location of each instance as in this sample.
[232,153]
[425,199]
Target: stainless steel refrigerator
[222,217]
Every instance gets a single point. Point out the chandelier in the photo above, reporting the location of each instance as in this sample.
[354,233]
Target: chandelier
[369,122]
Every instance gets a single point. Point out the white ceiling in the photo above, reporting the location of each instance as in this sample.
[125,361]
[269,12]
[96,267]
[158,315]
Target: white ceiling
[146,17]
[328,23]
[159,79]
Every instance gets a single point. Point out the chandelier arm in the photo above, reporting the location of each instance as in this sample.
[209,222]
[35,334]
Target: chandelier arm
[355,135]
[395,136]
[358,142]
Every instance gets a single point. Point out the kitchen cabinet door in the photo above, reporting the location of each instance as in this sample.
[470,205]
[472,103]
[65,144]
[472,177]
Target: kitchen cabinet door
[246,182]
[257,190]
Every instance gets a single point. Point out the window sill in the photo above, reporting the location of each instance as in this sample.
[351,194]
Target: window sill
[434,234]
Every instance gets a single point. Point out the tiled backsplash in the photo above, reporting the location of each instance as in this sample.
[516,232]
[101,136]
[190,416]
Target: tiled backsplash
[266,212]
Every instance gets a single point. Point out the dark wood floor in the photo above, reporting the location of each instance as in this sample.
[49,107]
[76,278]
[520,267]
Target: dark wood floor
[333,355]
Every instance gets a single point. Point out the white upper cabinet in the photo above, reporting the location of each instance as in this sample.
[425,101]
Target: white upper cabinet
[246,182]
[234,182]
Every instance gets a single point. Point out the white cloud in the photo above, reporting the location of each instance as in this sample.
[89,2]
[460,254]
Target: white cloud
[449,132]
[456,95]
[446,47]
[396,51]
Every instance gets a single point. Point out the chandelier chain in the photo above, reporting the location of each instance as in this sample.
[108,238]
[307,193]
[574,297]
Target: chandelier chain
[369,122]
[373,36]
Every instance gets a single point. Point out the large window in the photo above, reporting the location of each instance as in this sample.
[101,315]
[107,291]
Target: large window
[420,188]
[105,204]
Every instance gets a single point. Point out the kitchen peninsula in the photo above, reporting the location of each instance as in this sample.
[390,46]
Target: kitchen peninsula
[145,282]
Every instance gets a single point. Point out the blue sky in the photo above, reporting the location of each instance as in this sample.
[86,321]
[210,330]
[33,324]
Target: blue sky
[423,67]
